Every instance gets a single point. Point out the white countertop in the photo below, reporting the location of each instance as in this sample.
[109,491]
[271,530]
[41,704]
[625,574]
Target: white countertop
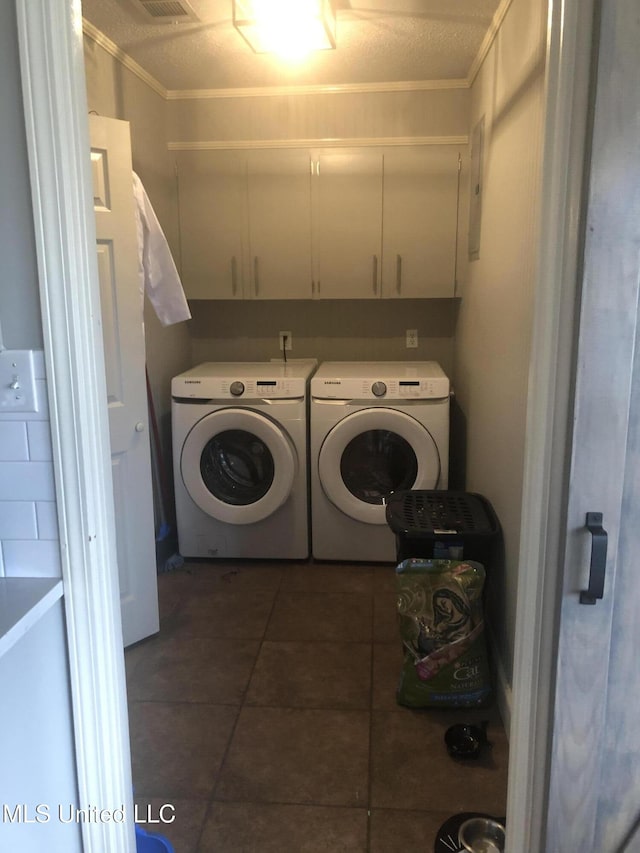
[23,601]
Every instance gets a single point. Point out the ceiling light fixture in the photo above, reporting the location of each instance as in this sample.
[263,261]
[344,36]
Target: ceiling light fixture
[287,27]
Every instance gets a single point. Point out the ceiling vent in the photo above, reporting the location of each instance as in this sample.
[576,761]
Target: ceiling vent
[167,11]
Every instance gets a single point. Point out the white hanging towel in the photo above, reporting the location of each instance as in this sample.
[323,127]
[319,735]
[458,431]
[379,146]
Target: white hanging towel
[157,271]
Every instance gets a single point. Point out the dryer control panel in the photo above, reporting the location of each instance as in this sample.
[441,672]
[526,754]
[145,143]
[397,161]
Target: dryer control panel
[380,380]
[380,389]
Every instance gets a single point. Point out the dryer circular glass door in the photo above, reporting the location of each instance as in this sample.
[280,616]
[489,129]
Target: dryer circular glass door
[238,465]
[371,453]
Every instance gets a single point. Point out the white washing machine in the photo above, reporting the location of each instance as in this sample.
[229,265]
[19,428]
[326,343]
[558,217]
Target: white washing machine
[376,427]
[240,459]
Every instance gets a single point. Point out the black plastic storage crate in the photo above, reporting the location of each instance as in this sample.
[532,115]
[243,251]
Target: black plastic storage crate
[442,523]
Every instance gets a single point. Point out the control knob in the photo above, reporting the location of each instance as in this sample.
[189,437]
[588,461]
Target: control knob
[237,389]
[379,389]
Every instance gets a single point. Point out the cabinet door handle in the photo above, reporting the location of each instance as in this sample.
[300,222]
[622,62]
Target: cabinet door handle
[234,275]
[598,559]
[375,273]
[398,274]
[256,278]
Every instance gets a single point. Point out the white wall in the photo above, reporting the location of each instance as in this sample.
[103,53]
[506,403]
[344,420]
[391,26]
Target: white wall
[492,343]
[359,330]
[20,325]
[28,524]
[320,116]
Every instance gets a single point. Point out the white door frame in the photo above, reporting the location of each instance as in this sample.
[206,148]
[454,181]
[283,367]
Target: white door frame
[549,417]
[55,106]
[51,51]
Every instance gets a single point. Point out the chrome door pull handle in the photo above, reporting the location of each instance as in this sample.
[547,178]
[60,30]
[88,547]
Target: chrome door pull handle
[598,559]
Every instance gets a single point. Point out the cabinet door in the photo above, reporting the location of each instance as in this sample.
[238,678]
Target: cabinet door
[212,191]
[348,223]
[420,215]
[279,194]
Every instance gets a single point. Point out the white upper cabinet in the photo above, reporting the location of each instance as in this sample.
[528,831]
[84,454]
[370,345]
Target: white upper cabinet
[347,208]
[212,198]
[420,213]
[279,205]
[331,223]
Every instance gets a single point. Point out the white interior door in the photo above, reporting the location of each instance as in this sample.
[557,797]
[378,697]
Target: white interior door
[594,796]
[123,335]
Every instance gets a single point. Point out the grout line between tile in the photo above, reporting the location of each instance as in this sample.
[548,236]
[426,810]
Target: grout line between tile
[371,693]
[212,799]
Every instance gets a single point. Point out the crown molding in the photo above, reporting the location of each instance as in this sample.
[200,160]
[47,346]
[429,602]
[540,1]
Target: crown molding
[355,142]
[488,40]
[112,48]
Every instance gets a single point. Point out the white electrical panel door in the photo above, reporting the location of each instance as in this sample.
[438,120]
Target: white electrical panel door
[212,190]
[420,215]
[279,201]
[347,193]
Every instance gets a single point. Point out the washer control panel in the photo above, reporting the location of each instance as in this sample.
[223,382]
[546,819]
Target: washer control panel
[230,388]
[261,388]
[248,380]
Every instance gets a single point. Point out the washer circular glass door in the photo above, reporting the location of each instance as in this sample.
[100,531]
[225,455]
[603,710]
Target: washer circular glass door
[371,453]
[238,465]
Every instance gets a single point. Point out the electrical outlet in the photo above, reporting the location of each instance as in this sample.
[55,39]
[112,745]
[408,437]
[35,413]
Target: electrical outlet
[285,341]
[412,338]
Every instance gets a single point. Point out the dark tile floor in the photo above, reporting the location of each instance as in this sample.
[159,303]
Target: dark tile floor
[264,712]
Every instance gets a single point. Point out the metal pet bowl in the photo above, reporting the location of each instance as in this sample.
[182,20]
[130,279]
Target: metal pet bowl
[482,835]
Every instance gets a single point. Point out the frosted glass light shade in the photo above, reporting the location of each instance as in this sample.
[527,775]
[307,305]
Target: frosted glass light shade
[288,27]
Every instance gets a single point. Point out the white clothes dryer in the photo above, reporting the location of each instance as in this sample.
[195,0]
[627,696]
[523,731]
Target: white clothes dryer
[240,459]
[376,428]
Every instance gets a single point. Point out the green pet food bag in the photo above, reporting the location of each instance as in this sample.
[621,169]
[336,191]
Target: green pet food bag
[441,622]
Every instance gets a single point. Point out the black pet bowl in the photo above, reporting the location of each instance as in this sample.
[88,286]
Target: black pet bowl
[464,740]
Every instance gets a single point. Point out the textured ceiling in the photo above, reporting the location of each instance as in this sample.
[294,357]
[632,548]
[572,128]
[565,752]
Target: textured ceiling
[378,41]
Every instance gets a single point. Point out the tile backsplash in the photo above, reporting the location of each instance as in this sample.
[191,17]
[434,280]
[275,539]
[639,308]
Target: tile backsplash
[29,545]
